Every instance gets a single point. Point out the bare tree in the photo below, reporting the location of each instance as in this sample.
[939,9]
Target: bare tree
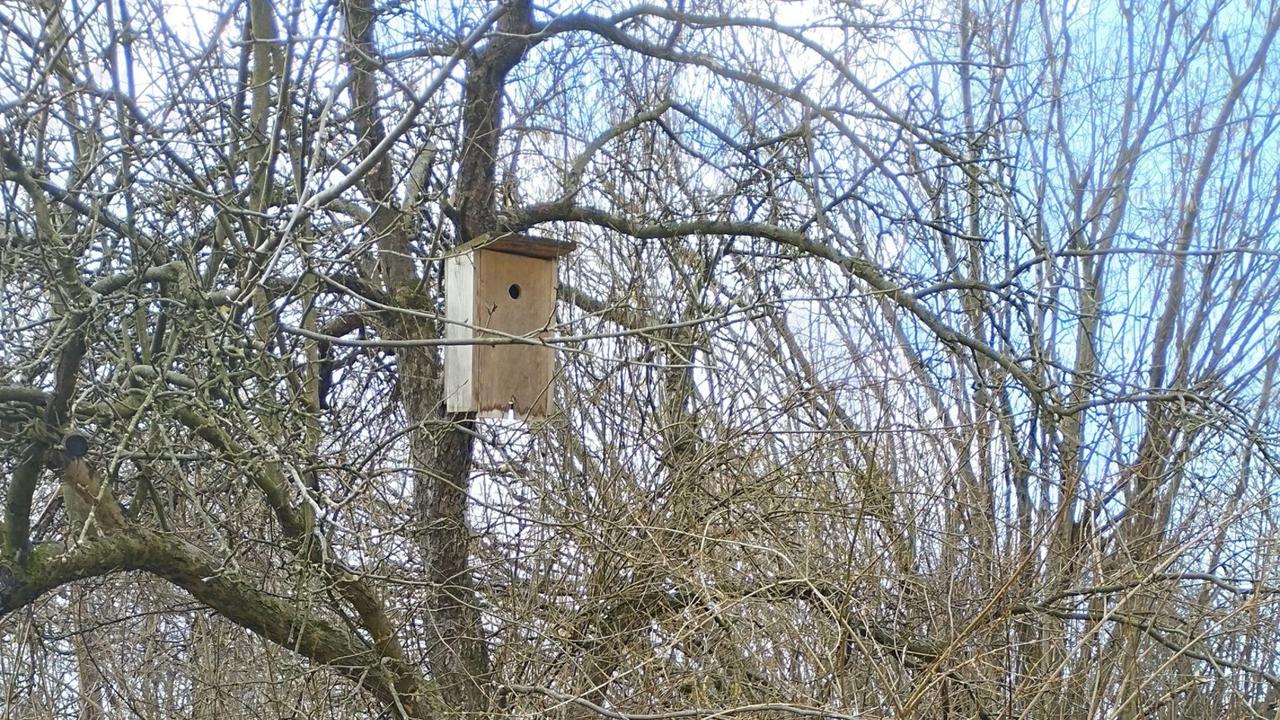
[917,360]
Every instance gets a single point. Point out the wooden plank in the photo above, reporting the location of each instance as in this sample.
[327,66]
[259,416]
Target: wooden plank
[526,245]
[459,293]
[515,295]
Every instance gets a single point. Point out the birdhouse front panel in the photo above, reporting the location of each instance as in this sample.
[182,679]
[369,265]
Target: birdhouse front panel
[507,295]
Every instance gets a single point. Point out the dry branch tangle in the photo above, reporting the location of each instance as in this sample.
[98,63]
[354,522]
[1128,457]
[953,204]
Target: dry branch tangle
[917,361]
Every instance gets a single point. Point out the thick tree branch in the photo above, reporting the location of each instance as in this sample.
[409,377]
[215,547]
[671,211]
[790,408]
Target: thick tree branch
[23,483]
[860,268]
[277,619]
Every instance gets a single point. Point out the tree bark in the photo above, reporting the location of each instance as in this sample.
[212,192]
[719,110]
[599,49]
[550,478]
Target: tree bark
[440,445]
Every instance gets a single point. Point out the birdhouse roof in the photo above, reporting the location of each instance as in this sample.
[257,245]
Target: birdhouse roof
[526,245]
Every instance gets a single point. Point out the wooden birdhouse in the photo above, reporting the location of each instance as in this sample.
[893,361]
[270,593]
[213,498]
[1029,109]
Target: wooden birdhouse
[497,289]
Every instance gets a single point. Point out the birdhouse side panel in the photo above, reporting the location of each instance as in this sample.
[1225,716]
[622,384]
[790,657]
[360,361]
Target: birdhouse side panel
[459,303]
[515,296]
